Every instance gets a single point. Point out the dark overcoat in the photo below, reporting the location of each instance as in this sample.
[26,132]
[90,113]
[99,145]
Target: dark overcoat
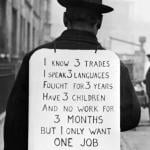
[16,123]
[148,83]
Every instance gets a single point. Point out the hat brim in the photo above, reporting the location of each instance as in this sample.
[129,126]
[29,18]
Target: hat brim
[100,7]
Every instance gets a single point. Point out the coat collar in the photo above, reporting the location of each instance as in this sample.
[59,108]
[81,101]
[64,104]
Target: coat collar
[77,35]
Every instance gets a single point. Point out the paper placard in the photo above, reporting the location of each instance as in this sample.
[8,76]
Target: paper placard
[74,100]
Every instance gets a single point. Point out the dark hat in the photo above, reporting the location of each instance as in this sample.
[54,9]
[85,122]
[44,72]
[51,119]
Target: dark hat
[148,55]
[97,4]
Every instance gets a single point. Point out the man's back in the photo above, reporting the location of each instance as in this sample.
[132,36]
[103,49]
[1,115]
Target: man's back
[16,125]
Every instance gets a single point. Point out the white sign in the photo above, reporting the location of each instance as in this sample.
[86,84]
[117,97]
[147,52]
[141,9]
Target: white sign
[74,100]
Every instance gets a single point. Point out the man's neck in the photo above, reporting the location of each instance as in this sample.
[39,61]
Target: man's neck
[85,28]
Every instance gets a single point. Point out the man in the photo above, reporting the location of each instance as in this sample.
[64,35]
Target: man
[83,19]
[147,82]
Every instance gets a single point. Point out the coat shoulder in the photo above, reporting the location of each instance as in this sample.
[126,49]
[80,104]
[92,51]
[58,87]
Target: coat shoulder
[49,45]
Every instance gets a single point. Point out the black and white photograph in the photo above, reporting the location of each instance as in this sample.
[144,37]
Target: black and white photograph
[74,75]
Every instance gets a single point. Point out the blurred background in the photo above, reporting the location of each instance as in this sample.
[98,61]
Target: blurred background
[26,24]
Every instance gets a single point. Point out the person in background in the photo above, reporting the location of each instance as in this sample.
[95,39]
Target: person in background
[147,83]
[83,19]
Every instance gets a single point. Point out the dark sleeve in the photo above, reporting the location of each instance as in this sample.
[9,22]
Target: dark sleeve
[16,121]
[130,107]
[148,82]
